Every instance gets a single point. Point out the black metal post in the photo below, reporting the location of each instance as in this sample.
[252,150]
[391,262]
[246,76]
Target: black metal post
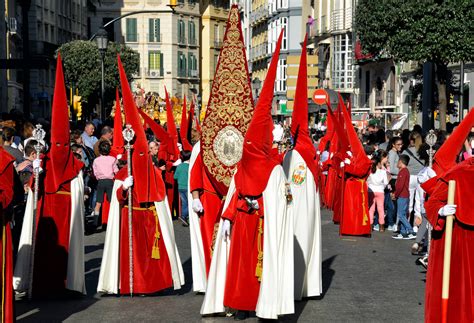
[25,7]
[102,87]
[427,104]
[461,91]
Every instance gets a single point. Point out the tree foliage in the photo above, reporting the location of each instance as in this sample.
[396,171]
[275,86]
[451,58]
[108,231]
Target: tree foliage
[437,31]
[82,68]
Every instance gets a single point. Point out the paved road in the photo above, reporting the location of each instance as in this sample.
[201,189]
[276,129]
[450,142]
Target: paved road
[364,280]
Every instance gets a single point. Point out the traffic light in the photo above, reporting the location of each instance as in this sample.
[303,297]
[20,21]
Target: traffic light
[77,105]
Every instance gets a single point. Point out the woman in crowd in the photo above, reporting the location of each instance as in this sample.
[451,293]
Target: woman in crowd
[378,181]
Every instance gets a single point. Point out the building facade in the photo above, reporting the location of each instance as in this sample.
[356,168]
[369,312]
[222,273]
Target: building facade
[168,43]
[50,24]
[214,14]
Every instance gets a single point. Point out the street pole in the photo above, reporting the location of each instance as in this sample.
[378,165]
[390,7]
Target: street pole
[427,104]
[102,87]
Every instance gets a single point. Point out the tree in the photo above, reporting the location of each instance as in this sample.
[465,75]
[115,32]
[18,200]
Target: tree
[438,31]
[82,69]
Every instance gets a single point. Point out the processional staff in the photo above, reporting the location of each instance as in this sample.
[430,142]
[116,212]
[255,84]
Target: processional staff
[128,135]
[431,141]
[38,135]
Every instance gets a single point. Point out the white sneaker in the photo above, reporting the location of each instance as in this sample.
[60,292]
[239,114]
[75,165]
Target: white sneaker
[375,227]
[392,228]
[415,229]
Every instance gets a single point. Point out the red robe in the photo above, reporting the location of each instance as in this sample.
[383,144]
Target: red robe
[461,288]
[212,204]
[150,275]
[52,242]
[355,214]
[6,258]
[242,284]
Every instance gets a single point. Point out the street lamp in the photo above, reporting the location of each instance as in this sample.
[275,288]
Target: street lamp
[102,39]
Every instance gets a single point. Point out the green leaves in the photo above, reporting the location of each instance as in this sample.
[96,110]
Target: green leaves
[438,31]
[82,67]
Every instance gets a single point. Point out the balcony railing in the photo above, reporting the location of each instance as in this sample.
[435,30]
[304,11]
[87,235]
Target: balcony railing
[259,51]
[153,38]
[182,40]
[259,14]
[192,42]
[217,44]
[193,73]
[381,99]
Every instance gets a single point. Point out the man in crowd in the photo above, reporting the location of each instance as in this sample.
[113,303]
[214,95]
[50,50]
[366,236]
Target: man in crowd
[88,137]
[106,134]
[153,148]
[8,135]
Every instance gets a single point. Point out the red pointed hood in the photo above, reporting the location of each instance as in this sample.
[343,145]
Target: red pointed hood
[117,144]
[173,151]
[183,130]
[60,165]
[257,163]
[159,132]
[190,121]
[299,124]
[148,183]
[340,141]
[357,149]
[445,157]
[198,125]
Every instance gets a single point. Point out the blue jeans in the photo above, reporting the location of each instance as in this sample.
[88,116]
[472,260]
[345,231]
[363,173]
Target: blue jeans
[390,209]
[402,211]
[183,195]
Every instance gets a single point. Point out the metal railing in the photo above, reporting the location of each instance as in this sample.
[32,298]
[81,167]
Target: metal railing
[381,99]
[258,51]
[217,43]
[193,73]
[192,42]
[181,40]
[152,38]
[258,14]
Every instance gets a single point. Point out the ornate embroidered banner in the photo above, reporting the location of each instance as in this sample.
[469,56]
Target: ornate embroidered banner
[230,108]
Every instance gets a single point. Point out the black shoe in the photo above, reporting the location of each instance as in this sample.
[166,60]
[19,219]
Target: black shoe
[241,315]
[185,223]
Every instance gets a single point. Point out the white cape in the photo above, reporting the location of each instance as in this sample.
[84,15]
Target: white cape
[110,267]
[305,211]
[75,267]
[276,291]
[198,259]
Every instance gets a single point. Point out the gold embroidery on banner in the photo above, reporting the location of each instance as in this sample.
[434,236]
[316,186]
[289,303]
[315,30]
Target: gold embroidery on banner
[365,218]
[230,104]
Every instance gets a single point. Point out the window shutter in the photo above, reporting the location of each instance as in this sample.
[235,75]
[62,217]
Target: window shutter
[157,30]
[151,30]
[161,64]
[190,63]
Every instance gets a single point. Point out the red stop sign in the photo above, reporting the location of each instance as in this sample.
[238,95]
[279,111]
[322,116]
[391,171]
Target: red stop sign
[320,96]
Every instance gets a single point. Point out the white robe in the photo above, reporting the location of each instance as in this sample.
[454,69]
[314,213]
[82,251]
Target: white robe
[109,278]
[198,259]
[75,267]
[305,211]
[276,291]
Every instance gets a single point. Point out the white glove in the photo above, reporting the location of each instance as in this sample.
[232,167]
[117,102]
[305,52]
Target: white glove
[318,152]
[37,165]
[176,163]
[127,183]
[342,164]
[225,229]
[277,133]
[255,205]
[330,156]
[448,209]
[349,153]
[197,206]
[180,147]
[347,161]
[119,156]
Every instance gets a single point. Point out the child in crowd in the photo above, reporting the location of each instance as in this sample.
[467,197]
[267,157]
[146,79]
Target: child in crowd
[181,176]
[25,168]
[104,167]
[402,195]
[377,182]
